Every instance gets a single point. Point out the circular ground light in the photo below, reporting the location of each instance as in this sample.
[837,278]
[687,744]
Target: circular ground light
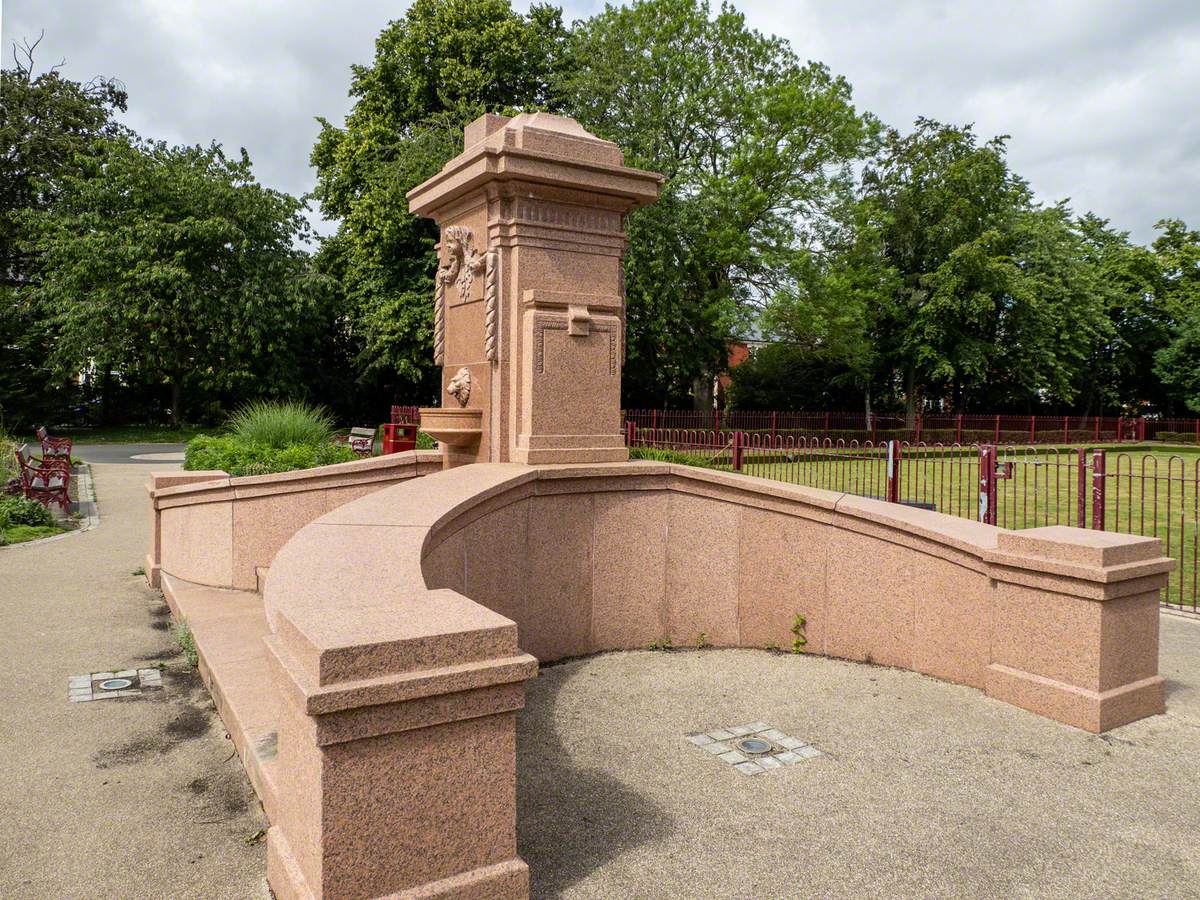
[115,684]
[753,745]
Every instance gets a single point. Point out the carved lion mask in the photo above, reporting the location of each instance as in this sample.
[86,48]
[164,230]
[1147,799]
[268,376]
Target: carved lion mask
[460,386]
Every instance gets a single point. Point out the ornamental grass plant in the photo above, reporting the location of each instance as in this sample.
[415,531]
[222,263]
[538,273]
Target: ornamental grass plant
[264,437]
[278,425]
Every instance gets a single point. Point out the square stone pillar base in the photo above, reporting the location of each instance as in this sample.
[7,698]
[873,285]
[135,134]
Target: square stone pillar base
[398,773]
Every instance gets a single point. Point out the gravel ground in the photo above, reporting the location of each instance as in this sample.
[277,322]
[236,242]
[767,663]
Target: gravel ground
[925,789]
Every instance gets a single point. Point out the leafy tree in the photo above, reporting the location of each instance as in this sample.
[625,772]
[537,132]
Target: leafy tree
[47,126]
[934,191]
[442,65]
[831,318]
[940,281]
[786,376]
[1012,315]
[1177,251]
[171,264]
[750,141]
[1116,376]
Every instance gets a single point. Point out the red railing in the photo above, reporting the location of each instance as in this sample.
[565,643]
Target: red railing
[406,415]
[926,428]
[1132,492]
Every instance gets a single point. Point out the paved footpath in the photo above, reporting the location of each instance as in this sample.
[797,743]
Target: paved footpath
[121,798]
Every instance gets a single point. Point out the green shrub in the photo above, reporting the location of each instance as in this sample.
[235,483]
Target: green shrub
[281,425]
[424,441]
[231,455]
[1176,437]
[8,458]
[676,456]
[23,511]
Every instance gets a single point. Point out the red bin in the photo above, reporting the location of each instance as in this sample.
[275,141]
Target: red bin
[399,437]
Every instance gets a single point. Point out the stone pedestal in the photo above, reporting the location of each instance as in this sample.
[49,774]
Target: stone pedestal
[1074,625]
[397,755]
[529,306]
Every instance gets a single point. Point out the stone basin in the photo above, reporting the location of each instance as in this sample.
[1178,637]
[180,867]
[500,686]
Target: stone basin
[454,427]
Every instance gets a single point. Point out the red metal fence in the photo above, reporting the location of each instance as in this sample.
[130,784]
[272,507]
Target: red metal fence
[1138,492]
[923,428]
[406,415]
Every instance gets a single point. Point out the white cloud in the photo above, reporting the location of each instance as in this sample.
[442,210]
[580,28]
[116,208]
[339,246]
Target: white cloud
[1099,98]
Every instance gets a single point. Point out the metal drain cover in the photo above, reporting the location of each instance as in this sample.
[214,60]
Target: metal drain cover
[754,745]
[753,748]
[104,685]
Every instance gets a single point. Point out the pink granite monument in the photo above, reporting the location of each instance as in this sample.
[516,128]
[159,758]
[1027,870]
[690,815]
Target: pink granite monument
[405,607]
[529,313]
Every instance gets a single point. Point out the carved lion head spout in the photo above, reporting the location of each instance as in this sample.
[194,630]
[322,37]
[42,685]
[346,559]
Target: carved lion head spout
[460,386]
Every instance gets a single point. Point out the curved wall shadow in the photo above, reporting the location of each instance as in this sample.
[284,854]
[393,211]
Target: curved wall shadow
[571,819]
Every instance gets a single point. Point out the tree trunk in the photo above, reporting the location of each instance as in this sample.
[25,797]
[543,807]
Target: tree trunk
[106,397]
[702,395]
[910,400]
[867,401]
[177,400]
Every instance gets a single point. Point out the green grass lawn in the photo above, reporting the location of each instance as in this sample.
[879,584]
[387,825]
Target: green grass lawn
[160,434]
[129,434]
[19,534]
[1151,492]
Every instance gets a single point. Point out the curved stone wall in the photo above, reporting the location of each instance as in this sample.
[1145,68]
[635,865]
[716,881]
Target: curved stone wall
[397,620]
[211,529]
[589,558]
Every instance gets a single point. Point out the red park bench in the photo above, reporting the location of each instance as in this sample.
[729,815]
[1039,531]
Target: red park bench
[53,447]
[47,480]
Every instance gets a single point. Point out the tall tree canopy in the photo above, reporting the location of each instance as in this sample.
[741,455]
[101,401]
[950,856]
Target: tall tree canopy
[442,65]
[961,291]
[906,269]
[1178,289]
[48,128]
[172,264]
[750,141]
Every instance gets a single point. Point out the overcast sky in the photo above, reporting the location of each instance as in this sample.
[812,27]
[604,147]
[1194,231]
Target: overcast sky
[1100,98]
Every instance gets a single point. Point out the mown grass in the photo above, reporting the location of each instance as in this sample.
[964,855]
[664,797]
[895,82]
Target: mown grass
[125,434]
[19,534]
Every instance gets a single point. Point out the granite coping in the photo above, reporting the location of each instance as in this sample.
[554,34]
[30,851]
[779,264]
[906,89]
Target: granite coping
[1055,550]
[1074,545]
[199,488]
[399,632]
[504,154]
[405,687]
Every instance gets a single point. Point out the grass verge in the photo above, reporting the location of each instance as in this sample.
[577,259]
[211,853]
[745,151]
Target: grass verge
[126,434]
[19,534]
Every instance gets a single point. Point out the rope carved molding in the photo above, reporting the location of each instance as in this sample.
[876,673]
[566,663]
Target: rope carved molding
[464,262]
[491,297]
